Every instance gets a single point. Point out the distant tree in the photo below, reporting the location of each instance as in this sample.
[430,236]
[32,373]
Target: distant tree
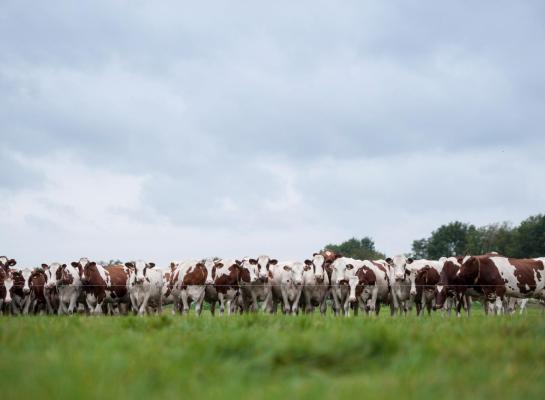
[529,240]
[420,248]
[449,240]
[362,249]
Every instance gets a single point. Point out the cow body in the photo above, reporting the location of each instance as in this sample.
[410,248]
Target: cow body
[342,270]
[401,283]
[448,291]
[316,286]
[6,284]
[145,287]
[250,289]
[37,283]
[226,283]
[188,285]
[424,278]
[370,285]
[51,292]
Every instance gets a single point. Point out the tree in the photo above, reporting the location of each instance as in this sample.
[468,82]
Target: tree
[449,240]
[529,240]
[362,249]
[420,248]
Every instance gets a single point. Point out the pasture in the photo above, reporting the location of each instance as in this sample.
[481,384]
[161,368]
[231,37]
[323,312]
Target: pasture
[265,357]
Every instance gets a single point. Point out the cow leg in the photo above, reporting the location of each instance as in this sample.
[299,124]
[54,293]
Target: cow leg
[144,306]
[72,305]
[213,308]
[295,307]
[221,298]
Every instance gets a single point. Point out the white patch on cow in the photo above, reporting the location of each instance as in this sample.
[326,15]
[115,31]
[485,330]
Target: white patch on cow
[507,272]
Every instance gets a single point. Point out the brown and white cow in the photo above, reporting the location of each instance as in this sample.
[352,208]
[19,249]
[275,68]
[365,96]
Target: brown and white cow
[251,289]
[20,292]
[370,285]
[316,286]
[401,284]
[449,292]
[103,287]
[51,293]
[226,283]
[37,283]
[497,277]
[68,282]
[287,285]
[188,285]
[6,283]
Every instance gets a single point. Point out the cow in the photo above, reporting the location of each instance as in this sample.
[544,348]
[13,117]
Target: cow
[287,285]
[51,293]
[316,288]
[166,293]
[497,276]
[424,278]
[401,284]
[6,284]
[145,287]
[20,292]
[68,283]
[341,272]
[37,283]
[104,288]
[226,282]
[252,290]
[369,285]
[187,285]
[255,283]
[448,292]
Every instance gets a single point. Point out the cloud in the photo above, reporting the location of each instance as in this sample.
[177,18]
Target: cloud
[182,129]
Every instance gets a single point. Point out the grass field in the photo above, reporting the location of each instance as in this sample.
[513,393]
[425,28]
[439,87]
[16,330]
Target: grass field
[262,357]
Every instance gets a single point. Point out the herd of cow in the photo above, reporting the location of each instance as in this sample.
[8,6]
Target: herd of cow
[241,286]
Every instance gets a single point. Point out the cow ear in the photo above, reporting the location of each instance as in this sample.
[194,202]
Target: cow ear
[338,256]
[287,268]
[11,262]
[63,266]
[410,260]
[151,265]
[273,262]
[238,262]
[389,260]
[74,264]
[308,262]
[129,265]
[252,261]
[45,266]
[93,264]
[407,272]
[315,254]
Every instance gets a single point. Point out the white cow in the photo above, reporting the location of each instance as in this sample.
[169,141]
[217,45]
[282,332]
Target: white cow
[401,283]
[316,287]
[7,282]
[342,271]
[145,287]
[287,285]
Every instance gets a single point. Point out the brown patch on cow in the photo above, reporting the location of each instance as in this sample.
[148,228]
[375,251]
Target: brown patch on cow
[366,277]
[92,282]
[244,275]
[194,276]
[524,272]
[3,276]
[18,283]
[228,281]
[37,282]
[481,274]
[118,280]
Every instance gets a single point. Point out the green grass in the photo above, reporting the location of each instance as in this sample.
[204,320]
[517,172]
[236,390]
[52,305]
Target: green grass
[262,357]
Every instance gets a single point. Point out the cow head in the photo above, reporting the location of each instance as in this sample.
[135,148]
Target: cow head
[343,268]
[88,270]
[317,265]
[24,279]
[65,275]
[51,273]
[470,271]
[138,270]
[263,265]
[210,267]
[293,273]
[5,263]
[248,270]
[398,266]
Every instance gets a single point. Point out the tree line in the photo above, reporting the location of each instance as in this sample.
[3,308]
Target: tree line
[525,240]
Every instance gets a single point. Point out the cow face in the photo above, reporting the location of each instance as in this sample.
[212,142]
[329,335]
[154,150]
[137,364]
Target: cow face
[317,265]
[6,263]
[293,273]
[88,270]
[138,271]
[248,271]
[342,269]
[398,266]
[8,284]
[210,267]
[51,272]
[65,275]
[447,277]
[469,271]
[263,266]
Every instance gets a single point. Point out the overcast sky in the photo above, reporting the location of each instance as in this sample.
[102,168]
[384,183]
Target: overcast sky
[169,130]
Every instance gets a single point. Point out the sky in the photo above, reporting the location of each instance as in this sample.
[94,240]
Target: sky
[170,130]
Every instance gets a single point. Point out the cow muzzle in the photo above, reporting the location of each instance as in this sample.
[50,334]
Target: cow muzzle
[342,282]
[352,299]
[26,291]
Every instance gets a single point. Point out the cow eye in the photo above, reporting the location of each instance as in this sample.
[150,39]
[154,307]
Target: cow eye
[349,266]
[307,268]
